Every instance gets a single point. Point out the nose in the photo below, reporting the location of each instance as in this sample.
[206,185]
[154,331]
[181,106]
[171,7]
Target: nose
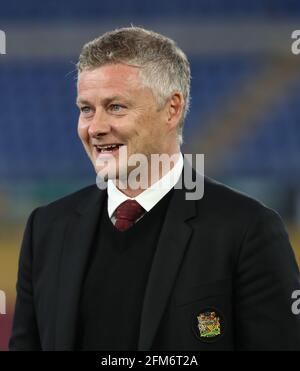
[99,125]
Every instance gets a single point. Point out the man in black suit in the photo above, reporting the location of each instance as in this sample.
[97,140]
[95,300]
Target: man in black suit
[130,268]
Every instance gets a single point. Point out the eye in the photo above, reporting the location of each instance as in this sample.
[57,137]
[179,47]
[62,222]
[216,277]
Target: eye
[85,109]
[116,108]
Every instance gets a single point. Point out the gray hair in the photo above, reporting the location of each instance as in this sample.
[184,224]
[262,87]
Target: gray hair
[164,66]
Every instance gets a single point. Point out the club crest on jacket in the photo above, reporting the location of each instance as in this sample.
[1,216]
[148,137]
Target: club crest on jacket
[209,324]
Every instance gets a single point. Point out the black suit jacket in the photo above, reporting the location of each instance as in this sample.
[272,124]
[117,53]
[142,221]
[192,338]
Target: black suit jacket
[225,254]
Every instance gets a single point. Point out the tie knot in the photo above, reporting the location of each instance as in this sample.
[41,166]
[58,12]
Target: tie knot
[127,213]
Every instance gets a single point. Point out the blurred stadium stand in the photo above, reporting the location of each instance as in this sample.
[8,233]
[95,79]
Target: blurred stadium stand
[244,114]
[53,9]
[40,115]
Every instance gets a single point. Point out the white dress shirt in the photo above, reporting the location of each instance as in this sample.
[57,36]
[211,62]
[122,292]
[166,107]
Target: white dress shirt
[150,196]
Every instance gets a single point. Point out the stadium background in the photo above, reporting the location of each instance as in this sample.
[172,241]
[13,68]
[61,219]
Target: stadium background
[245,111]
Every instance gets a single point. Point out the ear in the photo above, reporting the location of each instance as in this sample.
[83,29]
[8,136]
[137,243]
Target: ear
[175,108]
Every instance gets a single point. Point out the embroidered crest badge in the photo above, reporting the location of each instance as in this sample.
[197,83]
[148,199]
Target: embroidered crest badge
[209,324]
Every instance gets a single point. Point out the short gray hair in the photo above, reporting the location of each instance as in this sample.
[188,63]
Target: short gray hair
[164,66]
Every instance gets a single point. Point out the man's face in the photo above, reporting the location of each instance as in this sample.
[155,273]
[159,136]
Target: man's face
[116,109]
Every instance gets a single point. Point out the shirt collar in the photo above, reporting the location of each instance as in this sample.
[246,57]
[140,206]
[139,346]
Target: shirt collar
[150,196]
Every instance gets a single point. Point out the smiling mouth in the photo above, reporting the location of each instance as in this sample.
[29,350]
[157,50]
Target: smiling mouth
[109,148]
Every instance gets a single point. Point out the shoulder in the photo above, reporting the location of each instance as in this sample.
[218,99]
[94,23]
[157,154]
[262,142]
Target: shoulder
[252,229]
[70,203]
[233,205]
[219,200]
[221,194]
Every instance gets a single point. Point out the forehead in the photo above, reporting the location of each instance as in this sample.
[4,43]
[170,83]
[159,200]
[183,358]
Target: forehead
[111,78]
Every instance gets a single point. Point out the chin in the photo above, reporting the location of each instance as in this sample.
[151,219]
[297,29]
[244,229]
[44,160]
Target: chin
[110,173]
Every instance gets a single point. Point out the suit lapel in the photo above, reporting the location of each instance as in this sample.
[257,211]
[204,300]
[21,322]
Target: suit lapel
[173,241]
[78,240]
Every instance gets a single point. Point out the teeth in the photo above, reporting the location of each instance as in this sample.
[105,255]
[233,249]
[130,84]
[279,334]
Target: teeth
[110,147]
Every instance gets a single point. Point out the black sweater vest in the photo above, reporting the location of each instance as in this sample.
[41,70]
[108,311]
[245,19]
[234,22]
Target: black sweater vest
[115,282]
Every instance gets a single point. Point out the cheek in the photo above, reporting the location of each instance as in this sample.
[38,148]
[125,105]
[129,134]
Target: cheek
[154,127]
[83,130]
[123,130]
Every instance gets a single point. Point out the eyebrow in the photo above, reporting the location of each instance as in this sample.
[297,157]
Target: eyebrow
[82,101]
[105,100]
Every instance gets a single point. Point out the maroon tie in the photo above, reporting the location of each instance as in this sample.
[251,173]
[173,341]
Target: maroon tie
[127,213]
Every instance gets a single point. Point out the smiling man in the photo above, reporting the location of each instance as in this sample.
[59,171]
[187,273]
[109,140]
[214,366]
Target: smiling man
[144,268]
[129,114]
